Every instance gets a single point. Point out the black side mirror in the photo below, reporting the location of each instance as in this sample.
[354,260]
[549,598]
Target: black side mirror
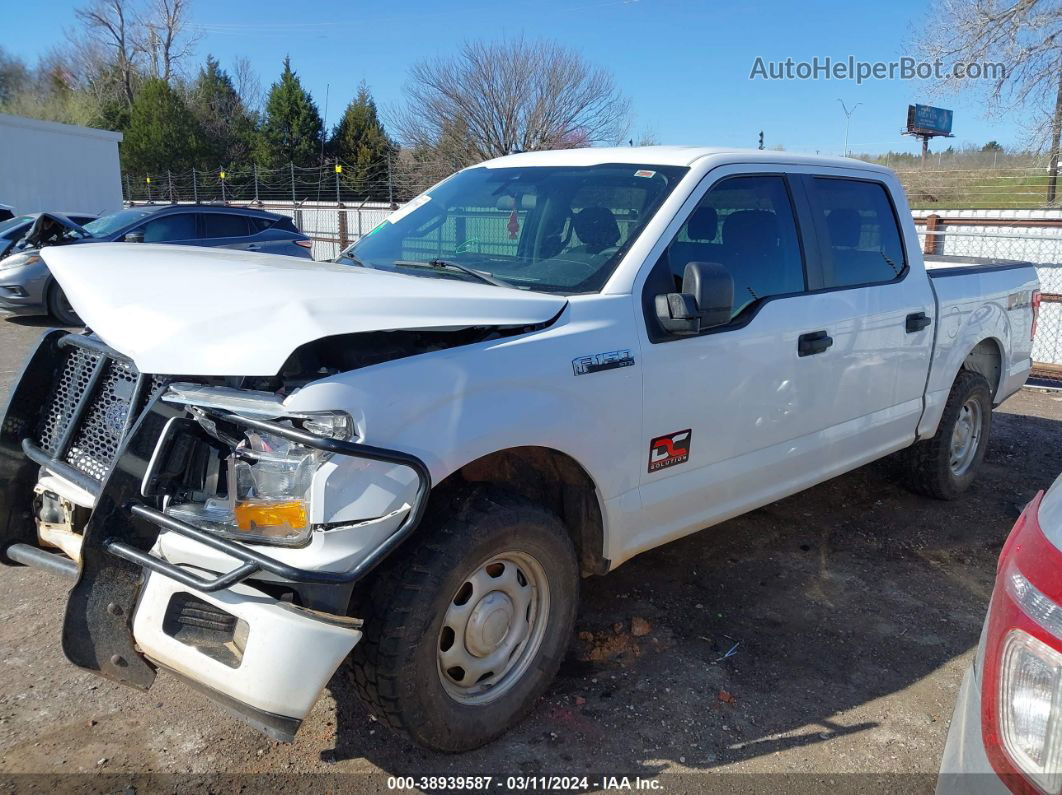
[706,300]
[136,236]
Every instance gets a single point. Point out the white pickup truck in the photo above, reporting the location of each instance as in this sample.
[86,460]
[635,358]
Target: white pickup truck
[252,468]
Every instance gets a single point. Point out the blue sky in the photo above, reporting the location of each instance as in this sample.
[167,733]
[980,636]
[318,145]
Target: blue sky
[685,65]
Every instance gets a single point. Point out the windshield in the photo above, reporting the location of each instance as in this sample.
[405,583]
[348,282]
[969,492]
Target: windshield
[109,224]
[555,229]
[6,227]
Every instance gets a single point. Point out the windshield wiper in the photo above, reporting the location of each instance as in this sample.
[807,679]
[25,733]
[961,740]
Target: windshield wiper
[442,264]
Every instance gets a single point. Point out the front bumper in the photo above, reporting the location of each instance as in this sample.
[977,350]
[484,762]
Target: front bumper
[22,289]
[131,611]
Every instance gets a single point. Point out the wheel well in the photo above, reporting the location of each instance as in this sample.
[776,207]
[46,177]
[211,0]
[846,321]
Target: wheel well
[550,478]
[986,358]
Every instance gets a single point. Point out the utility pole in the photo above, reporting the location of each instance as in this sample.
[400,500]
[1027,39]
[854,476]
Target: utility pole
[848,121]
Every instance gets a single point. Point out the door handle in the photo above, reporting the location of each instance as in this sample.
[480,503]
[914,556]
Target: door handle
[253,247]
[917,321]
[813,342]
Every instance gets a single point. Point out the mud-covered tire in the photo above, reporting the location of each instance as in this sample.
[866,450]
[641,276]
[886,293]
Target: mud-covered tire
[398,667]
[59,308]
[929,464]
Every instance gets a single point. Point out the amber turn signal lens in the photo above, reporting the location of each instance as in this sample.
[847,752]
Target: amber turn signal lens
[254,515]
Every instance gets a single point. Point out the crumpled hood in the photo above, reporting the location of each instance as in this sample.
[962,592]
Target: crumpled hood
[208,311]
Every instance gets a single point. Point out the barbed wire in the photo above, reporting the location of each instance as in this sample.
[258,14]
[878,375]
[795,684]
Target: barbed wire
[398,180]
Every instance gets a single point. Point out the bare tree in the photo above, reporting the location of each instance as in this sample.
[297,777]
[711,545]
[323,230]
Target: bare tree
[496,98]
[1025,36]
[248,85]
[164,38]
[108,24]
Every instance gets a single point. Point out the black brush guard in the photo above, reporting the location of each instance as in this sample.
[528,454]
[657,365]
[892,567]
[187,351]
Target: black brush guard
[126,520]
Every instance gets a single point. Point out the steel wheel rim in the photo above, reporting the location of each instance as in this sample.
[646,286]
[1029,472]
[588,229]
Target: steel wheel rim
[966,437]
[493,628]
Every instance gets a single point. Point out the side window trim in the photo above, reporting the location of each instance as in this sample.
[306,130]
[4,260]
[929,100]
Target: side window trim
[823,235]
[813,232]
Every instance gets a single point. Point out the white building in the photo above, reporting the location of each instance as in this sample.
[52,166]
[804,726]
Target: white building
[45,165]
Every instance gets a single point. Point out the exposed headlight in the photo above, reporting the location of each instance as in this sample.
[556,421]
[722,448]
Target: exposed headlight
[260,491]
[19,260]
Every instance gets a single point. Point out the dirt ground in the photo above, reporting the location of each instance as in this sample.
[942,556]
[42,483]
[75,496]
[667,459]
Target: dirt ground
[825,635]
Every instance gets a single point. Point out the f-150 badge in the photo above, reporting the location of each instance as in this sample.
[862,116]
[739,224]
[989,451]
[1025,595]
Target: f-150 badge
[666,451]
[597,362]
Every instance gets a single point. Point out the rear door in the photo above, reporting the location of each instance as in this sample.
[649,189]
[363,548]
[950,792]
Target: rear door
[875,308]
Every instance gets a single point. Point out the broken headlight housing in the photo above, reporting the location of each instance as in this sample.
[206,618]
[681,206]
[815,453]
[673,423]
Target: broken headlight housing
[259,489]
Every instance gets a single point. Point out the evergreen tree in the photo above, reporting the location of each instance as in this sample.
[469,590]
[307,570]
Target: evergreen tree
[228,127]
[162,132]
[291,129]
[360,143]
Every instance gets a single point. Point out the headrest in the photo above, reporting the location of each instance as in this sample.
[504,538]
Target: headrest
[846,227]
[703,224]
[527,202]
[751,231]
[596,228]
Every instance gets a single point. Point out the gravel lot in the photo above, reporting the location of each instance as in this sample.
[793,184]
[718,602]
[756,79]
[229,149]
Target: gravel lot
[849,613]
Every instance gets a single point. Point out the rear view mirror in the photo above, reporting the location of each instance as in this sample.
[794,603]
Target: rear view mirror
[136,236]
[705,301]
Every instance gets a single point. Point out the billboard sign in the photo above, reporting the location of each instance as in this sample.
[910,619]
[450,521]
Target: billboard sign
[927,120]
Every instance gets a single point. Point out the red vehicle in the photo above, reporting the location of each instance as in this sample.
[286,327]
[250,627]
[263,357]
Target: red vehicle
[1006,732]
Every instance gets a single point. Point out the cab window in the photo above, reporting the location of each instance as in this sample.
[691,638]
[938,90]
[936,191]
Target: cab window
[863,236]
[745,224]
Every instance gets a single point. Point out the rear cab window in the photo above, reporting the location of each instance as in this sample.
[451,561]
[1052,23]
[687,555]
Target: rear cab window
[863,244]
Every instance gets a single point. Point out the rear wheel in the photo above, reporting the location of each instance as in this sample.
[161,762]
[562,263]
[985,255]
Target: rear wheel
[466,627]
[945,465]
[59,307]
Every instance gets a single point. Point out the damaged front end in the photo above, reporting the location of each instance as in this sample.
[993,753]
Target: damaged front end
[190,517]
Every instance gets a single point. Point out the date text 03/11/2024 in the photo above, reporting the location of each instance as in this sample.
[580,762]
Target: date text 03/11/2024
[522,783]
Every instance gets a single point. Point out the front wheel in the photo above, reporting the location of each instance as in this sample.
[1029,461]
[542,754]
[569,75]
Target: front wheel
[59,307]
[467,626]
[945,465]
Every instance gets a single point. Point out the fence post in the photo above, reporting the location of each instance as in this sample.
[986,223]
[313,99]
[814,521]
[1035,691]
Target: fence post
[195,188]
[294,201]
[344,241]
[169,183]
[128,192]
[934,243]
[256,201]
